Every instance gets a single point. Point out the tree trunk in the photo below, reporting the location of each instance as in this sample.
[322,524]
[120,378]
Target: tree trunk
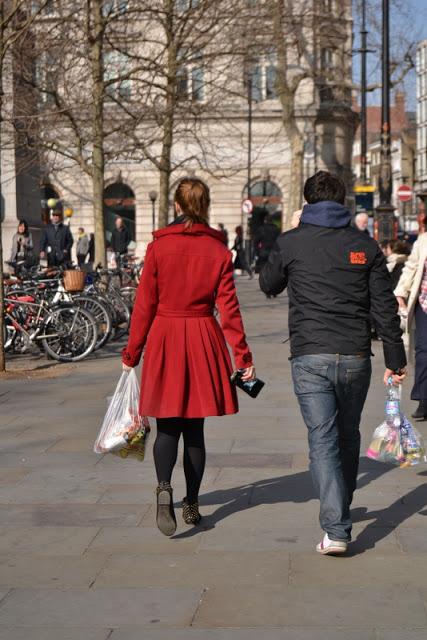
[295,202]
[168,124]
[96,53]
[164,186]
[287,87]
[2,207]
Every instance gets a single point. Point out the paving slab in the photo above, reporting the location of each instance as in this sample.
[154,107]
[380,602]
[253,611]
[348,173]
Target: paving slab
[46,540]
[363,607]
[105,608]
[203,570]
[285,633]
[54,633]
[141,540]
[72,515]
[43,572]
[408,571]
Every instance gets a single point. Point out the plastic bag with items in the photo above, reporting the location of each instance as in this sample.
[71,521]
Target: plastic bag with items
[396,440]
[124,432]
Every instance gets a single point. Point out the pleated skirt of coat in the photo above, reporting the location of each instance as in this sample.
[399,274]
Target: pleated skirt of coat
[186,370]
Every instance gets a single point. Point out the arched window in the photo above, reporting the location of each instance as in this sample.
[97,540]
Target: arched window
[119,201]
[47,191]
[266,197]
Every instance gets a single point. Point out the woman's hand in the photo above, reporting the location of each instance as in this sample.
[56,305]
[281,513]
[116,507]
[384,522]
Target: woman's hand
[250,374]
[126,367]
[402,304]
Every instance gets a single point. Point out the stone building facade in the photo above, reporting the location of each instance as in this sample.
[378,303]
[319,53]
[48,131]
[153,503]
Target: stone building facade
[325,115]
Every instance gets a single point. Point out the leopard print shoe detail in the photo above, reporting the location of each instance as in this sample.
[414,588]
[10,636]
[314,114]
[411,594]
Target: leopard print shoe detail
[190,512]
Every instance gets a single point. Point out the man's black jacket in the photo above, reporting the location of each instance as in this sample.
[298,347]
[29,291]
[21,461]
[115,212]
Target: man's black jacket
[120,240]
[337,278]
[60,240]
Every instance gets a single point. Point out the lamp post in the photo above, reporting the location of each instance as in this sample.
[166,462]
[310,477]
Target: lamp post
[68,213]
[363,118]
[384,223]
[153,197]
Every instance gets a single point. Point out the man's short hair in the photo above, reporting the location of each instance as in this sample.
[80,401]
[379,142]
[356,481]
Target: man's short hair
[324,186]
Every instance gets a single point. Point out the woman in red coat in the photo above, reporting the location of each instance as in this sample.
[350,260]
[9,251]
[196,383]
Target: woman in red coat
[186,374]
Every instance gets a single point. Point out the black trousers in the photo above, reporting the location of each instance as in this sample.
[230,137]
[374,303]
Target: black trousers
[165,451]
[419,390]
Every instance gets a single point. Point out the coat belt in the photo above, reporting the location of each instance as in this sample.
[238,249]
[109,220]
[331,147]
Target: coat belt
[185,314]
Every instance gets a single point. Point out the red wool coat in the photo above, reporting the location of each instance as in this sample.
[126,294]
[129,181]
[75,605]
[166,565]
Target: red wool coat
[187,367]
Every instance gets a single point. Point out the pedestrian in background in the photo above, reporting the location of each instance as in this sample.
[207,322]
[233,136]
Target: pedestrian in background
[186,373]
[264,239]
[224,232]
[397,253]
[22,245]
[120,239]
[56,242]
[411,292]
[240,261]
[361,222]
[82,247]
[336,277]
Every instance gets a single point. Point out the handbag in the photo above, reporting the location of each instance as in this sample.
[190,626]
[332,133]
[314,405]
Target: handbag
[251,387]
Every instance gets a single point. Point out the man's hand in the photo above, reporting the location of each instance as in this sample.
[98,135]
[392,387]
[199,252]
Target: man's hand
[126,367]
[397,378]
[250,374]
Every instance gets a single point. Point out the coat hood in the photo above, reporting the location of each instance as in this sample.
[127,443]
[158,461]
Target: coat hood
[326,214]
[195,230]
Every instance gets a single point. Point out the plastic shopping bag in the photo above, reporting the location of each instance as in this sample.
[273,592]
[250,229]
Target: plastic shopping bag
[386,445]
[396,440]
[124,432]
[412,444]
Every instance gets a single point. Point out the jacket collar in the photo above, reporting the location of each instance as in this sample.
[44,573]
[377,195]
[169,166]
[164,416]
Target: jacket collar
[326,214]
[195,230]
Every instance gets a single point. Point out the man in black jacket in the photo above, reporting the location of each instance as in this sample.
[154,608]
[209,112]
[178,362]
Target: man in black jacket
[336,278]
[56,242]
[120,239]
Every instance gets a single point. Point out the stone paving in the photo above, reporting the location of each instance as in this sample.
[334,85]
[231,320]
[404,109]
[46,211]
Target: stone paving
[81,559]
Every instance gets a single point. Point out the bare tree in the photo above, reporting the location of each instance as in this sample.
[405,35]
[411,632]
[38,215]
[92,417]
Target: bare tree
[16,20]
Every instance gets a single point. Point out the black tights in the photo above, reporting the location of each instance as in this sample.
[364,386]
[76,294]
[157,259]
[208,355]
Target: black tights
[166,450]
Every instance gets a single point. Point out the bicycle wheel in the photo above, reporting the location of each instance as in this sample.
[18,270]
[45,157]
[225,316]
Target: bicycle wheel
[100,312]
[70,333]
[122,313]
[128,295]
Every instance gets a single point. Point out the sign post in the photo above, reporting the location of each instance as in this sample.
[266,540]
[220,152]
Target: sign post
[405,193]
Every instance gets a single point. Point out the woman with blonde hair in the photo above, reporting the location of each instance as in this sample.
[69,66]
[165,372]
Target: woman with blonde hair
[188,272]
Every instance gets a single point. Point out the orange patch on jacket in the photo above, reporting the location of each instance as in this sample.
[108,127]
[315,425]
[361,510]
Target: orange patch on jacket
[358,257]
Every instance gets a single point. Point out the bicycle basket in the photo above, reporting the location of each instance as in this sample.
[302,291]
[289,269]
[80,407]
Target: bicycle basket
[74,280]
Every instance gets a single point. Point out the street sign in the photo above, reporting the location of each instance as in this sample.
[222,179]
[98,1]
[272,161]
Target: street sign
[247,206]
[404,193]
[364,197]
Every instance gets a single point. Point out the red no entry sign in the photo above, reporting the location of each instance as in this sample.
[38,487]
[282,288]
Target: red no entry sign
[404,193]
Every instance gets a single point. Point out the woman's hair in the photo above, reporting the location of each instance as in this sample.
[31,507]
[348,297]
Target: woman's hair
[400,247]
[239,230]
[25,223]
[193,197]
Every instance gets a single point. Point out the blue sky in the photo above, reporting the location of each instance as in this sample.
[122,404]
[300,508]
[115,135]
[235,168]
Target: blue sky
[408,23]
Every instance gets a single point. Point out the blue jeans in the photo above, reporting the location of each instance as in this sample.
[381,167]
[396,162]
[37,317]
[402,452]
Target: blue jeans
[331,391]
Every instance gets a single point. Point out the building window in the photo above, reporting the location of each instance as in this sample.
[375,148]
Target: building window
[184,5]
[116,68]
[262,75]
[190,78]
[114,6]
[46,77]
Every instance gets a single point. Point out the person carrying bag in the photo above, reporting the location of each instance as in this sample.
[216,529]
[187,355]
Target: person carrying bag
[187,368]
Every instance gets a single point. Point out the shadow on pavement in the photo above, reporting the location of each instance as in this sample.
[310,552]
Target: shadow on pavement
[298,488]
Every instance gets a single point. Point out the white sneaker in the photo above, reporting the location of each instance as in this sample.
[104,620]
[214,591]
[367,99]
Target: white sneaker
[331,547]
